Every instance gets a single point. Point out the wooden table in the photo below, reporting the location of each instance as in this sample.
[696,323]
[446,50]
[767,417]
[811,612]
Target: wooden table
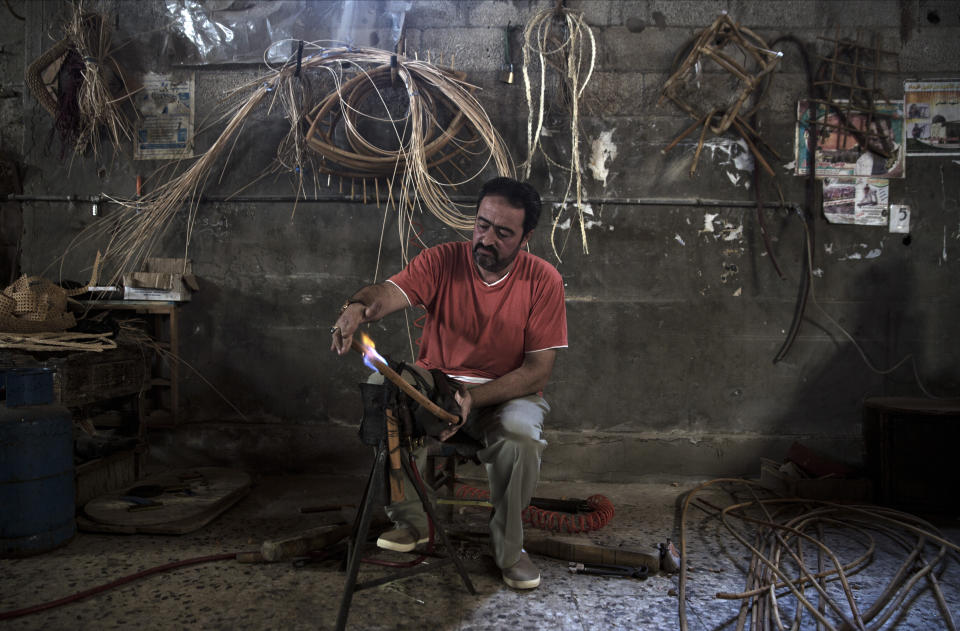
[166,371]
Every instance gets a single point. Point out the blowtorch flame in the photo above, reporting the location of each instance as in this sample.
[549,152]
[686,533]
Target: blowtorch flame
[370,353]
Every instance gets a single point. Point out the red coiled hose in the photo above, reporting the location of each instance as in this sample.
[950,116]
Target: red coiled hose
[554,521]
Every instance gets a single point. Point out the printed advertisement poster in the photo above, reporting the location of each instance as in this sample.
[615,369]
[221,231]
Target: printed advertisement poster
[933,117]
[855,200]
[839,153]
[166,107]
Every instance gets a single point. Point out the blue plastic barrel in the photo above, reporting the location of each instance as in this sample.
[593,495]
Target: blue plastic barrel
[29,386]
[36,479]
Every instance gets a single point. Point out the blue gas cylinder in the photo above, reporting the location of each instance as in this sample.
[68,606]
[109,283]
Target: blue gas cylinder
[37,490]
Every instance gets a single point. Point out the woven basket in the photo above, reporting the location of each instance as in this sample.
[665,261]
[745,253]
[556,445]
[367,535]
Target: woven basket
[33,304]
[35,80]
[25,302]
[13,324]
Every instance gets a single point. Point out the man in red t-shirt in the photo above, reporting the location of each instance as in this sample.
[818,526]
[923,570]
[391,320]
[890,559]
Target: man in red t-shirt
[495,317]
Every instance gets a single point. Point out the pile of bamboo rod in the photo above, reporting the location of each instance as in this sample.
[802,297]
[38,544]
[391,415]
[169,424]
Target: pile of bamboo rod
[791,563]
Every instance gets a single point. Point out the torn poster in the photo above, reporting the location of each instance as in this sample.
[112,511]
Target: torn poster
[933,117]
[860,201]
[166,107]
[838,151]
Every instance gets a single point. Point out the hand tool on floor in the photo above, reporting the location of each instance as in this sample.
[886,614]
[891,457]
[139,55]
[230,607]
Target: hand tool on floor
[299,545]
[669,557]
[309,541]
[304,542]
[568,550]
[605,569]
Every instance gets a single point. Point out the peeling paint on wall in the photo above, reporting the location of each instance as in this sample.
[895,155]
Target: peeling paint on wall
[730,270]
[730,232]
[851,253]
[708,221]
[588,223]
[602,150]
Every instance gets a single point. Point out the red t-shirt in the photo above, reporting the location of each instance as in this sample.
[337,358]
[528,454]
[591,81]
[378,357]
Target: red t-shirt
[478,330]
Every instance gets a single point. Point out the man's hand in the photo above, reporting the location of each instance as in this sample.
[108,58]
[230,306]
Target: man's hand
[367,305]
[462,397]
[353,315]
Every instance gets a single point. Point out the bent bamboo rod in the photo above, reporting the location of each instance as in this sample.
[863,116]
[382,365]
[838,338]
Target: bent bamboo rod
[409,389]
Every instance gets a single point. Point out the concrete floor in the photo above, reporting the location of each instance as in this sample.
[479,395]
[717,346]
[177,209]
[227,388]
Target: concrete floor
[231,595]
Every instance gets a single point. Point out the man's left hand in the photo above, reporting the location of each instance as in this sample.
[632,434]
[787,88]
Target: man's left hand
[462,397]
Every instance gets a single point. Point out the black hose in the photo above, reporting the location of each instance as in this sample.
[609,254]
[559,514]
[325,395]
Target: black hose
[806,214]
[12,12]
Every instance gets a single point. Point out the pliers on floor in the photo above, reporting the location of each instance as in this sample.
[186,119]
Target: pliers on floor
[603,569]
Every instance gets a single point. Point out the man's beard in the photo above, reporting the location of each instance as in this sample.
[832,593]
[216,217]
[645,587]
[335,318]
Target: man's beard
[494,263]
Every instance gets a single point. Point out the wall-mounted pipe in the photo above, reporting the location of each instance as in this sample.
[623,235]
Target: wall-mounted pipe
[340,199]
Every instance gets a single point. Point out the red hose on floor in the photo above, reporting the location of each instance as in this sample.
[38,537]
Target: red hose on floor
[554,521]
[16,613]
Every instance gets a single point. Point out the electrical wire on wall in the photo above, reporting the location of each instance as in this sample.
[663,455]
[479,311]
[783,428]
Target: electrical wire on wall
[808,254]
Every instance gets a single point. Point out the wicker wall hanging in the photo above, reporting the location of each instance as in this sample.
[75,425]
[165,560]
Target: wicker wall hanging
[848,81]
[715,101]
[91,90]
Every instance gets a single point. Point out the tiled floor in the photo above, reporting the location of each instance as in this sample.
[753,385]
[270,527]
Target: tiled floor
[231,595]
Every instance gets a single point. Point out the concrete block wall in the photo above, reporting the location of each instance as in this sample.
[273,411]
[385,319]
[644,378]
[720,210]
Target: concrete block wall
[675,314]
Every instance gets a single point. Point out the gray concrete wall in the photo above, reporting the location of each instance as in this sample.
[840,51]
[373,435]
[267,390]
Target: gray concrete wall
[672,328]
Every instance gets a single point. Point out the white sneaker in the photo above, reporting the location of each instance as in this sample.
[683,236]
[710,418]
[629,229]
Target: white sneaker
[400,540]
[521,575]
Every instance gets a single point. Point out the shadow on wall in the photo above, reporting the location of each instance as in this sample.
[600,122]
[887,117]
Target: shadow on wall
[826,411]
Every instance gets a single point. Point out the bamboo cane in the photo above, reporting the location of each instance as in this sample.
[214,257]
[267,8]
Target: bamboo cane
[409,389]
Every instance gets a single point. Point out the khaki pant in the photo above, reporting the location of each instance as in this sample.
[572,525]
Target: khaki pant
[511,433]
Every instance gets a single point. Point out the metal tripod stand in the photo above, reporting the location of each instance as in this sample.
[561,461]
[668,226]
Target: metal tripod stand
[374,491]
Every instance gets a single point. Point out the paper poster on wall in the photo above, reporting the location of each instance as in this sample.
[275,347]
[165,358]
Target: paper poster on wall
[166,107]
[854,200]
[933,117]
[839,153]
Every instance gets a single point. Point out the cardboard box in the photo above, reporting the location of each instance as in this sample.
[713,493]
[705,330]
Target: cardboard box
[161,279]
[787,481]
